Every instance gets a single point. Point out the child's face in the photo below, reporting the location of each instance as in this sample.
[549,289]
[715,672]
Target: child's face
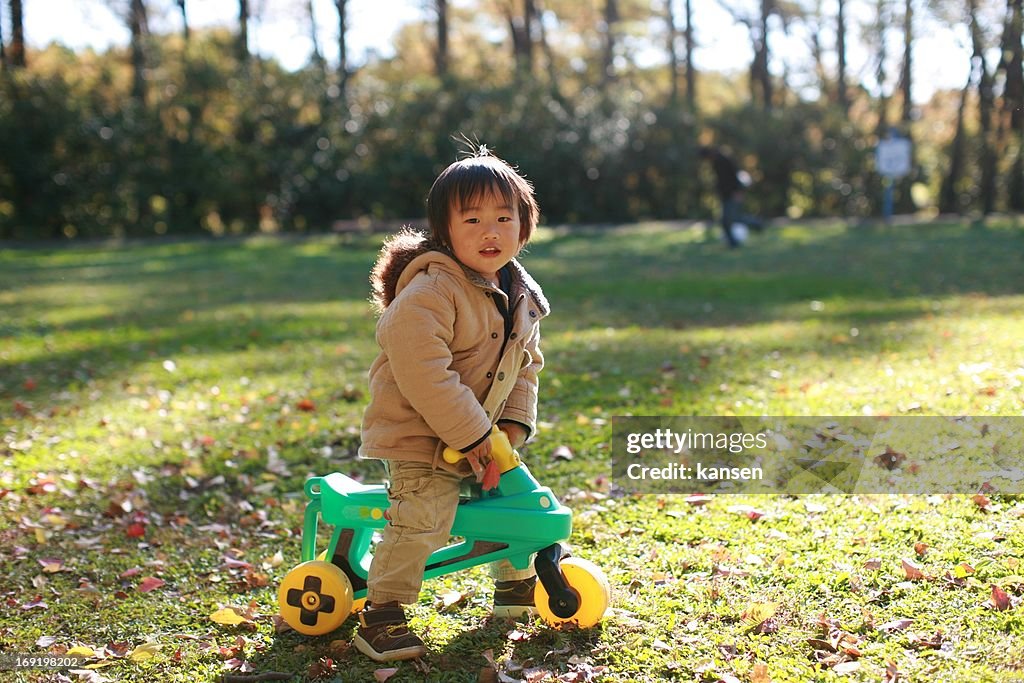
[485,235]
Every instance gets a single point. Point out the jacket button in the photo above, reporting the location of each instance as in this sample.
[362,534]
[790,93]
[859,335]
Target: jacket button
[490,375]
[512,336]
[494,335]
[533,314]
[487,293]
[501,376]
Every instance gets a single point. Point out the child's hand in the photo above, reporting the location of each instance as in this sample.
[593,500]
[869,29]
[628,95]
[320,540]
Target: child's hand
[479,457]
[516,433]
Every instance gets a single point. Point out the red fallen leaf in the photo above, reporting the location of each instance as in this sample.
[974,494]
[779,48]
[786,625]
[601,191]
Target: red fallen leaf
[127,573]
[45,485]
[981,500]
[306,405]
[698,499]
[135,530]
[491,476]
[1000,600]
[322,668]
[150,583]
[381,675]
[30,384]
[912,571]
[920,548]
[874,564]
[206,440]
[37,603]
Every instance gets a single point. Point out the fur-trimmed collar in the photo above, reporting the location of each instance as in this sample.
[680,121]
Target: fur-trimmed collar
[407,245]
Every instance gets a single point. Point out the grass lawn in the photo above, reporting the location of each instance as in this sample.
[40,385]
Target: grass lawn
[162,404]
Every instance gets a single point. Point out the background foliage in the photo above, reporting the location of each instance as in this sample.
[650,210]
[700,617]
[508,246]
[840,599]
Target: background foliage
[188,132]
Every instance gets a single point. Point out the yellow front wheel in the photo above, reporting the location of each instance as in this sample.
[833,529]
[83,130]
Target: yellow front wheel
[591,586]
[315,598]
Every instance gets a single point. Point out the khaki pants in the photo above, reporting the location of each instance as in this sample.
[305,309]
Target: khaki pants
[423,503]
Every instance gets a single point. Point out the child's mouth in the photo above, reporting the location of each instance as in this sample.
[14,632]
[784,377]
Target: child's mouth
[490,251]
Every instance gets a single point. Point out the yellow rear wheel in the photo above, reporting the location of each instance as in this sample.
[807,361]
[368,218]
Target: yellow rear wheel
[590,585]
[315,598]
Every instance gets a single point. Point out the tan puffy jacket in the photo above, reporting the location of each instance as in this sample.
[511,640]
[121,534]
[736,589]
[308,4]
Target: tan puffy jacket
[441,377]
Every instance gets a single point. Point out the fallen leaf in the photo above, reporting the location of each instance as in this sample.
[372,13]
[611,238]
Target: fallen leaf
[759,673]
[981,500]
[912,571]
[562,453]
[52,566]
[144,652]
[874,564]
[46,641]
[890,459]
[381,675]
[81,651]
[306,405]
[150,583]
[920,548]
[698,499]
[229,616]
[896,625]
[1000,600]
[846,667]
[135,530]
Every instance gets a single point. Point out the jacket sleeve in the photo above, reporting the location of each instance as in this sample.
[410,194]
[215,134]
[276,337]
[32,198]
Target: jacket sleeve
[415,332]
[521,406]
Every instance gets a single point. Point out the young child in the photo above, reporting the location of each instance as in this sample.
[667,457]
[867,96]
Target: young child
[459,336]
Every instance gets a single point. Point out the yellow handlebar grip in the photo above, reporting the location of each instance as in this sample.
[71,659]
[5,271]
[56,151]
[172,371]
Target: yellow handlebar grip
[501,450]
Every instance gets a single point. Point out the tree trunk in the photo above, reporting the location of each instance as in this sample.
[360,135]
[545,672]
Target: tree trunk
[243,30]
[342,7]
[441,56]
[3,46]
[906,78]
[1013,99]
[691,72]
[186,33]
[673,56]
[949,200]
[841,91]
[16,56]
[882,19]
[549,56]
[761,80]
[318,56]
[987,190]
[138,27]
[611,17]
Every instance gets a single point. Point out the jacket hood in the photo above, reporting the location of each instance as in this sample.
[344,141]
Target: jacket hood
[408,244]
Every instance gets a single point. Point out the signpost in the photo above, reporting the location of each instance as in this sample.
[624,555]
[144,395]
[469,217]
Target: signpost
[892,161]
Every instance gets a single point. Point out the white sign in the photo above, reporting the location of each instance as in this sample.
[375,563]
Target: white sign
[892,157]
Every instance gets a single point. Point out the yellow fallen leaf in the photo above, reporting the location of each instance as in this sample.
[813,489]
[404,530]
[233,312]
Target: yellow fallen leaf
[758,612]
[229,616]
[144,652]
[81,651]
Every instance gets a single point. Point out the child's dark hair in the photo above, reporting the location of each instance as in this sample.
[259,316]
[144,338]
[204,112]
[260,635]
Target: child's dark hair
[470,178]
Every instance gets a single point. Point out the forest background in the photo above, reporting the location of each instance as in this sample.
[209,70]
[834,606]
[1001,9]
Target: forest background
[192,132]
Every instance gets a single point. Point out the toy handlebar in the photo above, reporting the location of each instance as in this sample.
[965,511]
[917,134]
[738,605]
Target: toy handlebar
[502,452]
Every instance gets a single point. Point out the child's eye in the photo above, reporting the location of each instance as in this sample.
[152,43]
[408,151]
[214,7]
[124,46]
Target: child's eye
[472,220]
[504,219]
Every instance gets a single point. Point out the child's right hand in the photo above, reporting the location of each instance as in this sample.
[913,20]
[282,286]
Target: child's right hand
[479,457]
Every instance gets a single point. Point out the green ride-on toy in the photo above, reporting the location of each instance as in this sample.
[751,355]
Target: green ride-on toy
[516,519]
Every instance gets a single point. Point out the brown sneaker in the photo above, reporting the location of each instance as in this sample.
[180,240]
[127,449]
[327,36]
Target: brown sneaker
[514,598]
[384,636]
